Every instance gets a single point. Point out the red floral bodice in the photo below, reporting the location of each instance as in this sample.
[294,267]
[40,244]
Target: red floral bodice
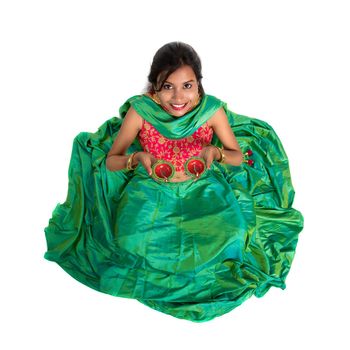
[175,151]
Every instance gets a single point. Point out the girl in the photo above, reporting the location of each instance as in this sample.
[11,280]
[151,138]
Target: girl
[175,84]
[179,203]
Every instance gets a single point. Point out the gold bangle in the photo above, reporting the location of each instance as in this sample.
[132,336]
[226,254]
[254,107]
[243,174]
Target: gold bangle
[129,162]
[222,155]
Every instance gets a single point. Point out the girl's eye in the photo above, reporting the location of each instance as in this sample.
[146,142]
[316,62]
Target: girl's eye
[188,86]
[166,86]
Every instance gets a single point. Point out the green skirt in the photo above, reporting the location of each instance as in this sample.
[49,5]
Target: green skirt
[193,250]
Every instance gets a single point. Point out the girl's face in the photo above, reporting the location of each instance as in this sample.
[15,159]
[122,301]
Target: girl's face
[179,93]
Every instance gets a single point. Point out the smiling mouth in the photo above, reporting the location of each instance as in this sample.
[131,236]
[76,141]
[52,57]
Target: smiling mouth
[178,107]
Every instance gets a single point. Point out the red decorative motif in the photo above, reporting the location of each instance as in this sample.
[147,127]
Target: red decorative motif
[174,151]
[248,153]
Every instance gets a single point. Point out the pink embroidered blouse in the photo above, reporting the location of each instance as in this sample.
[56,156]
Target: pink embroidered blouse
[175,151]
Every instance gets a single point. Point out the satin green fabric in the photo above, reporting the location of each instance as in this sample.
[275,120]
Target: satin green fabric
[193,250]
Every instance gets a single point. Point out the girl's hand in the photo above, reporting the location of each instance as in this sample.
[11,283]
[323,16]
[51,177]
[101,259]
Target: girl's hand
[146,159]
[209,153]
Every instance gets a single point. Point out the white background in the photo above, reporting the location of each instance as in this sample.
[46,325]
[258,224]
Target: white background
[67,66]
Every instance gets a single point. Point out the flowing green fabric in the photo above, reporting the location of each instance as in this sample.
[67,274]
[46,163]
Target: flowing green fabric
[193,250]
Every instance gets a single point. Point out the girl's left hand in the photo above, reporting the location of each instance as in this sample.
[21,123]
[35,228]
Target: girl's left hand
[209,153]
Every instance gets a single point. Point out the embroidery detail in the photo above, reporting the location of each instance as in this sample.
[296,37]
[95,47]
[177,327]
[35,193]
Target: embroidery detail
[175,151]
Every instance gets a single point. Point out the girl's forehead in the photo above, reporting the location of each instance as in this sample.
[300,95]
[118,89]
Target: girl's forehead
[184,73]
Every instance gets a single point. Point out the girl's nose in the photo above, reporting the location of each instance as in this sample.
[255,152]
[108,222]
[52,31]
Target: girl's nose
[178,94]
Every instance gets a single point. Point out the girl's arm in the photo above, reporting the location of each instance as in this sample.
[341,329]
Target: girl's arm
[221,127]
[116,158]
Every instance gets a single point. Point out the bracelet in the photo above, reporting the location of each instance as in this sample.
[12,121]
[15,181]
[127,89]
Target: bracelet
[222,155]
[129,162]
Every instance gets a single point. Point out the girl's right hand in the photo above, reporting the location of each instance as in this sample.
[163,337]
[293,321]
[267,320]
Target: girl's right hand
[146,159]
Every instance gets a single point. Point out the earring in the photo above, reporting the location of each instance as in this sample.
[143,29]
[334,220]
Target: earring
[155,98]
[197,101]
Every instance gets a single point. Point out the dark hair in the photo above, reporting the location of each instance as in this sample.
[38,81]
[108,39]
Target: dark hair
[168,59]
